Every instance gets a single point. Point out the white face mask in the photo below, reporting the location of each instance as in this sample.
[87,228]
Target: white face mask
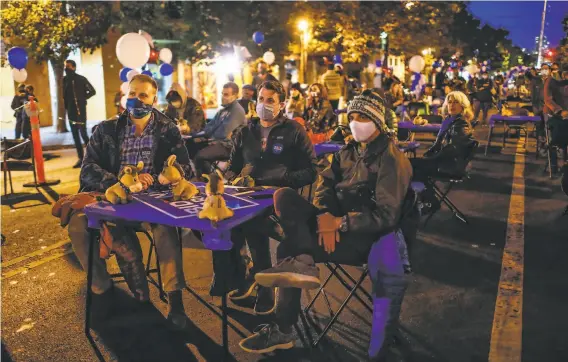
[362,131]
[544,72]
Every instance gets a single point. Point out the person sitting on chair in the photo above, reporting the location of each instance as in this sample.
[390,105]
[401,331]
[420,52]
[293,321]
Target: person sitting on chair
[186,111]
[271,151]
[359,199]
[219,130]
[556,107]
[139,134]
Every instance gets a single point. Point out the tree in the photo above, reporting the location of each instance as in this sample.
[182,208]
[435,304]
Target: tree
[562,50]
[51,30]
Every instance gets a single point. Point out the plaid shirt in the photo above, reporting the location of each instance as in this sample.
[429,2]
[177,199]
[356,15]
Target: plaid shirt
[135,149]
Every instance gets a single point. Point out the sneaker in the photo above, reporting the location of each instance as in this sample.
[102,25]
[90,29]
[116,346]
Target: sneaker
[292,272]
[265,301]
[267,338]
[243,292]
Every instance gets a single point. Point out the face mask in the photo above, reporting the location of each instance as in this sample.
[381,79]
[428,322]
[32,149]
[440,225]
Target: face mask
[544,72]
[265,112]
[69,71]
[263,71]
[176,104]
[137,108]
[225,101]
[485,77]
[362,131]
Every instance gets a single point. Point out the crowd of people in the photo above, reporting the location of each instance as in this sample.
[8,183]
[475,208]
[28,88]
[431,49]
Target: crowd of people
[364,209]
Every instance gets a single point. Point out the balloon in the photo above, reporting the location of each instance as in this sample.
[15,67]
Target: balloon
[123,101]
[131,74]
[148,73]
[258,37]
[269,57]
[154,55]
[166,69]
[416,64]
[123,73]
[19,75]
[472,69]
[148,37]
[166,55]
[124,88]
[18,57]
[379,63]
[132,50]
[337,59]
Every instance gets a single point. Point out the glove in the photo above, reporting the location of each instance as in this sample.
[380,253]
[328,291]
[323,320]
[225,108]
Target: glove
[243,181]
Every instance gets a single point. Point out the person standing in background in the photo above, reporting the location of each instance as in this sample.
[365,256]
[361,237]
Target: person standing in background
[76,91]
[334,84]
[18,102]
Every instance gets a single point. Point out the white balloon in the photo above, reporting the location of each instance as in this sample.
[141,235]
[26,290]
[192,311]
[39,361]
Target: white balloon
[132,50]
[131,74]
[148,37]
[124,88]
[269,57]
[19,75]
[416,63]
[166,55]
[123,101]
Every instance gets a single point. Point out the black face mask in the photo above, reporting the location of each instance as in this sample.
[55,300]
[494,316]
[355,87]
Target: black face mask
[69,71]
[263,71]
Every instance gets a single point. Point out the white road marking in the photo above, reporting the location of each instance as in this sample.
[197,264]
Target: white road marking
[506,335]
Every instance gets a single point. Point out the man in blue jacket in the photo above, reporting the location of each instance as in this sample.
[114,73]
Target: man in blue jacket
[219,130]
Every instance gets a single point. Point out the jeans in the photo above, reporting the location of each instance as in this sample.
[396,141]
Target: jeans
[78,124]
[168,250]
[216,151]
[558,138]
[23,126]
[298,218]
[481,106]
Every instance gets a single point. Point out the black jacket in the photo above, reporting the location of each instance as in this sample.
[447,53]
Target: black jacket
[483,90]
[193,113]
[101,163]
[78,86]
[287,161]
[451,146]
[555,96]
[369,185]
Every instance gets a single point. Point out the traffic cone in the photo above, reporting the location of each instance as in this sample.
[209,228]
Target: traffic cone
[38,152]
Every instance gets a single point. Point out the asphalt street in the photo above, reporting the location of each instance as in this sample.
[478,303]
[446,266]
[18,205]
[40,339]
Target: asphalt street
[448,312]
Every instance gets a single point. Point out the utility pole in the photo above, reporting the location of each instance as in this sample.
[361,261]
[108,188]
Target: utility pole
[540,39]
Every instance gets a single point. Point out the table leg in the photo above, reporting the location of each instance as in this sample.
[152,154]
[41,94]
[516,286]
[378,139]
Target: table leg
[89,284]
[489,138]
[505,131]
[225,327]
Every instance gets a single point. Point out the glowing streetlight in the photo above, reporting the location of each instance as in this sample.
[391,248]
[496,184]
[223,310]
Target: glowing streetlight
[409,5]
[303,26]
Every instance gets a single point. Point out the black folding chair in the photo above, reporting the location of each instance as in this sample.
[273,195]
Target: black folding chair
[451,180]
[17,155]
[353,285]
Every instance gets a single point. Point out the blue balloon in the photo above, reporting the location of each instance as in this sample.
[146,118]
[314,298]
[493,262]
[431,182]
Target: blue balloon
[379,63]
[258,37]
[166,69]
[18,57]
[123,72]
[149,73]
[337,59]
[453,64]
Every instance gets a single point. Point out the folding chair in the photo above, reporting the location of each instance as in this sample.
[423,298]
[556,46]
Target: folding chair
[451,180]
[17,155]
[410,148]
[94,240]
[551,148]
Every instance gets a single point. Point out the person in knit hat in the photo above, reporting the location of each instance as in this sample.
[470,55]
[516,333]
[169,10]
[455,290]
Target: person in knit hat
[361,199]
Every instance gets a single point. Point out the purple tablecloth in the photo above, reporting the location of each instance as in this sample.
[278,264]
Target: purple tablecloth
[429,128]
[152,207]
[326,148]
[516,120]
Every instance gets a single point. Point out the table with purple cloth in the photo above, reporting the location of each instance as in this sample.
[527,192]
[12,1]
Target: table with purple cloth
[510,121]
[325,148]
[156,207]
[429,128]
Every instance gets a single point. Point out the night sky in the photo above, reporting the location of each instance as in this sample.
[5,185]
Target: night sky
[523,19]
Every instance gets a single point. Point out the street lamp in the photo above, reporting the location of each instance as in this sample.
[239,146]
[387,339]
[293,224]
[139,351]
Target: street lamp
[303,26]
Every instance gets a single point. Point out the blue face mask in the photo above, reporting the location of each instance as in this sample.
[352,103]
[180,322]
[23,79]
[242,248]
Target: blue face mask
[137,108]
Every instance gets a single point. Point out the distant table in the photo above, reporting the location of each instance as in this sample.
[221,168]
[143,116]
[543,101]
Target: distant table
[325,148]
[429,128]
[510,121]
[154,207]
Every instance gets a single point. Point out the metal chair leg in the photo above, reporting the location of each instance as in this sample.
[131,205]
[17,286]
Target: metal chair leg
[320,290]
[354,289]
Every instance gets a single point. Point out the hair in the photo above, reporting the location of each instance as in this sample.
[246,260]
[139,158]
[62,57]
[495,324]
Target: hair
[72,62]
[297,86]
[262,62]
[143,78]
[233,86]
[321,87]
[30,87]
[274,86]
[463,101]
[556,63]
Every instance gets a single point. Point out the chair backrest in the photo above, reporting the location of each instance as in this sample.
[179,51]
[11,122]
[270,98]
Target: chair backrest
[433,118]
[17,149]
[417,109]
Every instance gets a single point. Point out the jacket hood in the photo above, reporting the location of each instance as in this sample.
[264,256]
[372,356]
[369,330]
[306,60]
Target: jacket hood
[176,87]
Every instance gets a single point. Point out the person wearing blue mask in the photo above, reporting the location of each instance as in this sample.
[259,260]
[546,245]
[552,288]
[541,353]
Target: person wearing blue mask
[141,133]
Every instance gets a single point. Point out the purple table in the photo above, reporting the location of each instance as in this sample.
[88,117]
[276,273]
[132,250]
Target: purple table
[510,121]
[429,128]
[152,207]
[325,148]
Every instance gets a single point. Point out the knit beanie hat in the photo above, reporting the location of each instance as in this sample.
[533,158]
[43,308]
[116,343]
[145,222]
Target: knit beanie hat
[371,105]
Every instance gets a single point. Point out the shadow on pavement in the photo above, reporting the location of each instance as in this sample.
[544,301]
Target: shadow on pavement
[16,198]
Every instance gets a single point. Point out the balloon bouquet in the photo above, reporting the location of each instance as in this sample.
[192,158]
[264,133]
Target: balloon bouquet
[18,59]
[134,51]
[268,57]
